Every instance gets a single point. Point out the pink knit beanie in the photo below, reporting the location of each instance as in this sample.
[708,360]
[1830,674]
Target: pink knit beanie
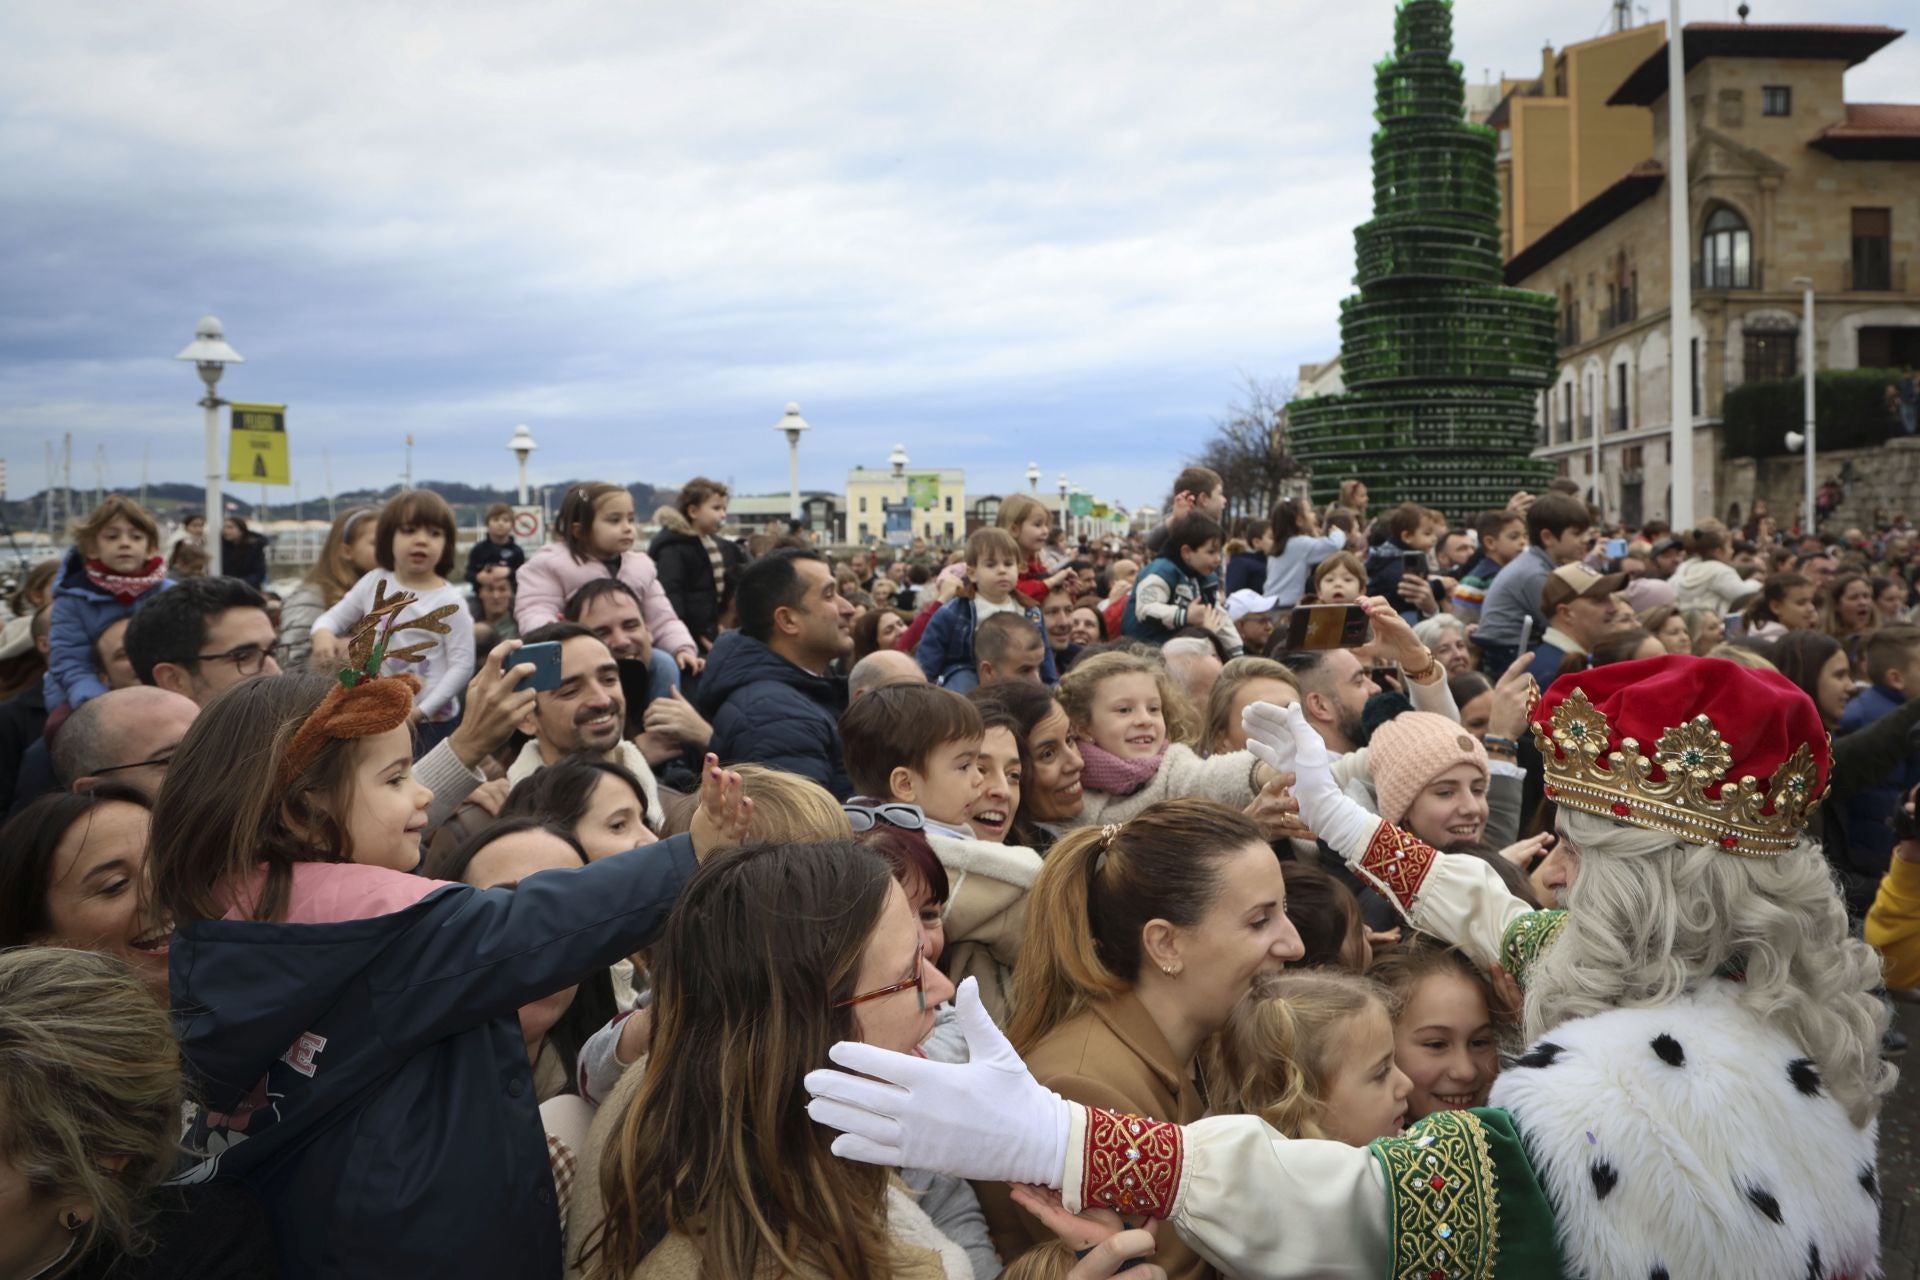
[1410,751]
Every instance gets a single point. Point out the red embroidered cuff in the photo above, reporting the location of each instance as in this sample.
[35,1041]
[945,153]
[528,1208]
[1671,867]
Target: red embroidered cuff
[1398,861]
[1131,1165]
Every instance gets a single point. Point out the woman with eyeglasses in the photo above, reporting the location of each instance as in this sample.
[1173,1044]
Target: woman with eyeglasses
[1141,937]
[73,870]
[771,955]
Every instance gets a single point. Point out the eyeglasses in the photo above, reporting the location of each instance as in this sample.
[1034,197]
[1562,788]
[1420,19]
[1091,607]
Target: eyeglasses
[247,660]
[158,762]
[917,984]
[865,817]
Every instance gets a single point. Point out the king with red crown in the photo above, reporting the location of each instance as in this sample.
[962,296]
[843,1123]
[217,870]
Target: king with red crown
[1699,1092]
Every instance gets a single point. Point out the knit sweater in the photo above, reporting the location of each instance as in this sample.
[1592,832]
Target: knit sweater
[446,666]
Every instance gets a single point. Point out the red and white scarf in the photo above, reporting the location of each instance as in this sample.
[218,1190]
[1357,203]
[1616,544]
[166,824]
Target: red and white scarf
[127,587]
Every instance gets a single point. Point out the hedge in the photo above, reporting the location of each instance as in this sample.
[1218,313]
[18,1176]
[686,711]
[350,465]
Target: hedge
[1849,411]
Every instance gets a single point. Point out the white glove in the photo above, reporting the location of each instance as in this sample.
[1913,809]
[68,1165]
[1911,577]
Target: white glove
[1281,738]
[987,1118]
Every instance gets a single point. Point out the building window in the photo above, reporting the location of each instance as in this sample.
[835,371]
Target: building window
[1872,249]
[949,531]
[863,506]
[1620,397]
[1776,100]
[1726,252]
[949,508]
[1699,380]
[1566,418]
[863,532]
[1732,108]
[1772,355]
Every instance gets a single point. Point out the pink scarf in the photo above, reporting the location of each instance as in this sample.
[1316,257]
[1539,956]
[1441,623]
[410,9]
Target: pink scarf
[1114,776]
[127,587]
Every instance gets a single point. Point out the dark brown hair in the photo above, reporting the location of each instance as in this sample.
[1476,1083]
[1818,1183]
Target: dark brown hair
[30,839]
[1556,513]
[717,1146]
[116,506]
[1099,888]
[1773,591]
[696,491]
[1404,966]
[1405,519]
[1198,481]
[223,812]
[1325,914]
[415,507]
[576,516]
[1194,529]
[899,726]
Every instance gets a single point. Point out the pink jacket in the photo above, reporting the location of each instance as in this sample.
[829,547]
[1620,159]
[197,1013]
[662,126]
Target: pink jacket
[551,575]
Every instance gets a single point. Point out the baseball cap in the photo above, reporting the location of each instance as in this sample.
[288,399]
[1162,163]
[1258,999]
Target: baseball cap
[1577,582]
[1246,601]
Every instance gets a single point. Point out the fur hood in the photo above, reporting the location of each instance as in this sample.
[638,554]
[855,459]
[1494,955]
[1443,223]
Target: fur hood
[986,915]
[669,518]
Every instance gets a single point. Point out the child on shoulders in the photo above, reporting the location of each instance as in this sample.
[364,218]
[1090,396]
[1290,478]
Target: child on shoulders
[1182,587]
[113,567]
[946,650]
[498,547]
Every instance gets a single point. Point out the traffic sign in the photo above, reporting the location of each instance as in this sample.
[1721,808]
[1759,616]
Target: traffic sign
[529,526]
[257,444]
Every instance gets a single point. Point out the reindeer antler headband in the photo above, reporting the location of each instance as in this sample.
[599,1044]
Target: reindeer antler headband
[364,703]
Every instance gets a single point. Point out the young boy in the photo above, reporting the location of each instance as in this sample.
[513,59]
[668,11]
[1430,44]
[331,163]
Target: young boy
[1503,535]
[498,547]
[1182,587]
[1411,530]
[946,651]
[919,745]
[114,565]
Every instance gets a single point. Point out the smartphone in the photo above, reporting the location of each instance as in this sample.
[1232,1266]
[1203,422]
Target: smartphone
[1616,547]
[1415,563]
[636,685]
[1328,626]
[546,664]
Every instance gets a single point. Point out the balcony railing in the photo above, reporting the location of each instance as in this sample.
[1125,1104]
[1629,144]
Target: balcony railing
[1568,333]
[1586,424]
[1617,418]
[1865,275]
[1625,311]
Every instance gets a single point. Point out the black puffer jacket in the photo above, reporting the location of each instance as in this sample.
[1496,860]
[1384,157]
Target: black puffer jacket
[686,573]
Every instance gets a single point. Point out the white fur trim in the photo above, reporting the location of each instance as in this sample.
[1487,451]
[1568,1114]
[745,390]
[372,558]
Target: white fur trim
[1014,864]
[1695,1150]
[908,1223]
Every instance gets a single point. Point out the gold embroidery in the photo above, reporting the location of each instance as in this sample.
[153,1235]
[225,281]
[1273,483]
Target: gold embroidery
[1398,861]
[1444,1213]
[1526,938]
[1131,1164]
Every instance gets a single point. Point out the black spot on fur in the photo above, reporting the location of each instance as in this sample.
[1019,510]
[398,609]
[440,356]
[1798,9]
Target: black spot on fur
[1763,1200]
[1541,1055]
[1603,1177]
[1813,1263]
[1669,1050]
[1805,1076]
[1870,1183]
[1658,1273]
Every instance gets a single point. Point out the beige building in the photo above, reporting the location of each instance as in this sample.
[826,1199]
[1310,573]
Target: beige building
[1786,180]
[938,498]
[1562,142]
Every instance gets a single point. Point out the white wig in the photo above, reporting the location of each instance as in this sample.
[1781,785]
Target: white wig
[1650,917]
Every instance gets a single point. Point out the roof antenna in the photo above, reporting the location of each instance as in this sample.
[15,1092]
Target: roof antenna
[1743,11]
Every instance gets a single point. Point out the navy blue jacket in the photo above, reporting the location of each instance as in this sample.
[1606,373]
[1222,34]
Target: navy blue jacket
[390,1122]
[486,553]
[765,710]
[1245,572]
[946,646]
[1386,568]
[1869,811]
[1547,660]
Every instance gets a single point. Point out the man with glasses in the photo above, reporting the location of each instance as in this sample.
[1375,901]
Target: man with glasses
[205,635]
[124,735]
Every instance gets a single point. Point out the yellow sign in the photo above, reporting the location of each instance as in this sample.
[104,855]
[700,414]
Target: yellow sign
[257,444]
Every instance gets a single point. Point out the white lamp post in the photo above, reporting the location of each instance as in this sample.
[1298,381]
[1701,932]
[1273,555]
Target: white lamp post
[793,424]
[1794,439]
[1033,477]
[1680,278]
[522,445]
[210,355]
[1066,521]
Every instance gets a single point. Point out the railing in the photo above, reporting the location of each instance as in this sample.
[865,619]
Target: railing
[1586,424]
[1617,418]
[1622,312]
[1869,276]
[1567,334]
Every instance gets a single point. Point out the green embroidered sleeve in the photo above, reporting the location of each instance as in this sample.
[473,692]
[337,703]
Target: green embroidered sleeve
[1526,938]
[1463,1202]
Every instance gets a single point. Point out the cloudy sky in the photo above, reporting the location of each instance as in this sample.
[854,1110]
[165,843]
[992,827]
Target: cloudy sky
[996,232]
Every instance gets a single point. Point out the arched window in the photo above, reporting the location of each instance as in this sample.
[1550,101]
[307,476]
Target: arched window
[1726,252]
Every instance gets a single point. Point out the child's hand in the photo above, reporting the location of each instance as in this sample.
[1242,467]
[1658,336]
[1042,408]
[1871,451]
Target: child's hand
[690,661]
[328,650]
[1204,615]
[725,813]
[1108,1242]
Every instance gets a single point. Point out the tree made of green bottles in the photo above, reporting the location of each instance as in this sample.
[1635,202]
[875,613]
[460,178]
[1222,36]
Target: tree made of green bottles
[1443,364]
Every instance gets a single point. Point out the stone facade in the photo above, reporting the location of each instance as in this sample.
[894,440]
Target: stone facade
[1754,175]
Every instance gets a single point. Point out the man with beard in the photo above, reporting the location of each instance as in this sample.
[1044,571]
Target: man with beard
[1334,689]
[667,728]
[586,715]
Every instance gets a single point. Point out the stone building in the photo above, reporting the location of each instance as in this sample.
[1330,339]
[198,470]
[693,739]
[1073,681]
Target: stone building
[1787,180]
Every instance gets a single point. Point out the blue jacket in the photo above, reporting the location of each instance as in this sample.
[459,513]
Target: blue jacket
[81,611]
[394,1129]
[946,646]
[1386,568]
[1186,589]
[1245,572]
[767,711]
[1547,660]
[1870,809]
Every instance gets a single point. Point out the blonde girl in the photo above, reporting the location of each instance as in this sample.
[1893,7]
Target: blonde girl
[1312,1054]
[348,554]
[1030,523]
[1137,734]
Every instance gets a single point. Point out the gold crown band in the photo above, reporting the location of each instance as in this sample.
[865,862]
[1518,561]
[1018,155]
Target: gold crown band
[1747,818]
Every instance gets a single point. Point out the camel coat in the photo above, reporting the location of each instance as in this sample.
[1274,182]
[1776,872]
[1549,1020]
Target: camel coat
[1112,1056]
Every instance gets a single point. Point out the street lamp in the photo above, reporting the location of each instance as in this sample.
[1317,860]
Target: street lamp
[898,461]
[522,445]
[210,355]
[793,424]
[1033,477]
[1806,323]
[1066,525]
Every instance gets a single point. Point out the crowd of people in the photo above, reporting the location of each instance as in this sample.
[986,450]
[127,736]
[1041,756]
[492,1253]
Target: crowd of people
[505,918]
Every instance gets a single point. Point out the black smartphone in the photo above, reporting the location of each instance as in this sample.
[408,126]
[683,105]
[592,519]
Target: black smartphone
[546,665]
[636,685]
[1328,626]
[1416,563]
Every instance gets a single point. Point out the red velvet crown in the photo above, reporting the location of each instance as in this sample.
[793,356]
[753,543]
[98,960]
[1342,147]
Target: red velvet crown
[1701,748]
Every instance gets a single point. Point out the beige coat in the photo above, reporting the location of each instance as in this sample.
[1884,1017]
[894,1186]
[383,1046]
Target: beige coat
[1226,779]
[1112,1056]
[987,888]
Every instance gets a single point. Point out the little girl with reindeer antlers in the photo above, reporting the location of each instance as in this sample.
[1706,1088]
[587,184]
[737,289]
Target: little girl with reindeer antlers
[350,1025]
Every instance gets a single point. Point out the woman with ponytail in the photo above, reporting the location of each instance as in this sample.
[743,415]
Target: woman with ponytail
[1141,938]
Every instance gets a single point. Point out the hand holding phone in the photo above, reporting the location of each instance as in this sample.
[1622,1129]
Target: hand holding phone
[1328,626]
